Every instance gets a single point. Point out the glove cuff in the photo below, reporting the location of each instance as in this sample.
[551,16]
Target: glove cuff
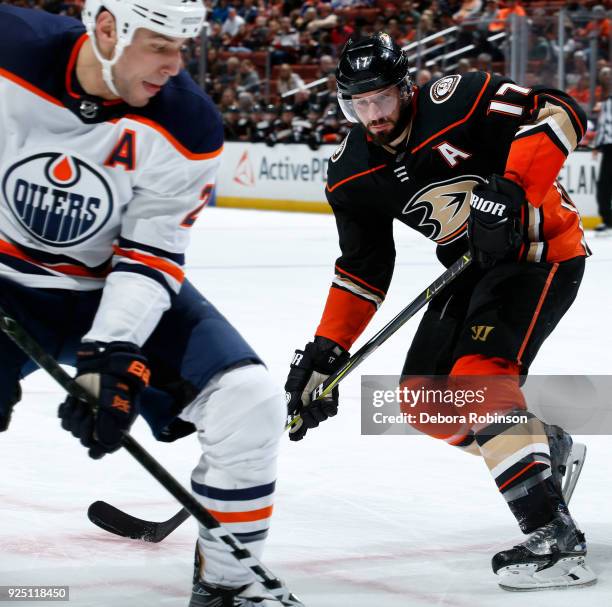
[327,355]
[118,358]
[507,187]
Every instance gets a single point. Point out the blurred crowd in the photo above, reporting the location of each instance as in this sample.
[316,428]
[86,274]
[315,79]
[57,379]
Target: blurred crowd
[269,65]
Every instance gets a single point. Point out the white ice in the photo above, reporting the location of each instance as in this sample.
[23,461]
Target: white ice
[359,521]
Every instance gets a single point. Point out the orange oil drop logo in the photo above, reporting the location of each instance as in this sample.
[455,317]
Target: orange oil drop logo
[63,170]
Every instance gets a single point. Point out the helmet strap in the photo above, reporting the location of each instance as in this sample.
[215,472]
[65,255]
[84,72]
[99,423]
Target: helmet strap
[107,64]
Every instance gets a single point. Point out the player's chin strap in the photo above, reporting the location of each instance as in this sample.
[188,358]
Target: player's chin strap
[107,64]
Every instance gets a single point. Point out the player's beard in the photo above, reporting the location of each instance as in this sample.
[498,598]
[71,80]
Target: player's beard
[397,127]
[383,137]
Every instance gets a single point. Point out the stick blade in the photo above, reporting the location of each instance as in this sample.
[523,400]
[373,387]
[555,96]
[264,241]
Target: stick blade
[115,521]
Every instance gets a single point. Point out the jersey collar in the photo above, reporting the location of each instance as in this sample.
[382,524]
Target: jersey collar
[89,108]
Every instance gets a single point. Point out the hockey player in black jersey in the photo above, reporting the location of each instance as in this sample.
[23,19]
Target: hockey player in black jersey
[469,161]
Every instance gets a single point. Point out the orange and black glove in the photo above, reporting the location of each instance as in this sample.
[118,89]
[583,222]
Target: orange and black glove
[115,374]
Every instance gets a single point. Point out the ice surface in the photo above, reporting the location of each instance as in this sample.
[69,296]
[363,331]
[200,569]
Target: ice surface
[359,521]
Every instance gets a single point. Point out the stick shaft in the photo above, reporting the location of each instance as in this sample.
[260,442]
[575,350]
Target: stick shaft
[33,349]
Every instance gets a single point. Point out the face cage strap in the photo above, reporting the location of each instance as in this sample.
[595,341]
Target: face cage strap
[107,64]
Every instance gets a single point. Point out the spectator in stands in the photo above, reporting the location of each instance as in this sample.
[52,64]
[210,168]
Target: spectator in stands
[329,96]
[232,24]
[468,11]
[464,66]
[487,17]
[339,35]
[327,66]
[259,36]
[301,102]
[409,12]
[484,62]
[578,67]
[599,27]
[248,11]
[288,80]
[306,18]
[227,100]
[264,127]
[581,92]
[578,12]
[215,36]
[219,12]
[604,77]
[569,47]
[423,77]
[309,48]
[325,18]
[286,43]
[512,7]
[229,75]
[248,78]
[213,69]
[231,116]
[246,102]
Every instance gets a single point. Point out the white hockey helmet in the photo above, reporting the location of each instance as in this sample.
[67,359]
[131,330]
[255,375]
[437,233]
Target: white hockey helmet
[174,18]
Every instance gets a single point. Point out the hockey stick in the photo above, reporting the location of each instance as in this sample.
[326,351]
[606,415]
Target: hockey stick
[116,521]
[263,575]
[420,301]
[111,519]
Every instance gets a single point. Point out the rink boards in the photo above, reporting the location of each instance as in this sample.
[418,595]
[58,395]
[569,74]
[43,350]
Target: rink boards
[292,178]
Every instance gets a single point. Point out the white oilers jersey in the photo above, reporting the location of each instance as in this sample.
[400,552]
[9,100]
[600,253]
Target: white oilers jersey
[96,193]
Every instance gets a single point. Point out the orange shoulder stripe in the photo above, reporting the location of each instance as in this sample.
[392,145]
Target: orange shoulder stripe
[464,119]
[154,125]
[170,138]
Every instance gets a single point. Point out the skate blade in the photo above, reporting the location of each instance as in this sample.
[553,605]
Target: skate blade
[566,573]
[574,464]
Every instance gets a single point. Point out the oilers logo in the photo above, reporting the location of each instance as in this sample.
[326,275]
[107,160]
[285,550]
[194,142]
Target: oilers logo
[58,199]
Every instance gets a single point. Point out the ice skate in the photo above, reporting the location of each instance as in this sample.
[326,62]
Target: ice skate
[553,556]
[603,230]
[567,460]
[208,595]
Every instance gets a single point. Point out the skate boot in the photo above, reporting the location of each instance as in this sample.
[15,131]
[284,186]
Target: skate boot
[211,595]
[553,556]
[207,595]
[567,459]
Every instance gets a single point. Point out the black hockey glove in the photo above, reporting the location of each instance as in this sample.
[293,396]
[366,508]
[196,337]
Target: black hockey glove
[115,374]
[494,225]
[309,368]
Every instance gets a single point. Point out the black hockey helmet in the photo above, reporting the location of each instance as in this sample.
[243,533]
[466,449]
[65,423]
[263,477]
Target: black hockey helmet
[368,64]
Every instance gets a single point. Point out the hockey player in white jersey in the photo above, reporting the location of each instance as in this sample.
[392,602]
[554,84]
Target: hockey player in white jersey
[108,154]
